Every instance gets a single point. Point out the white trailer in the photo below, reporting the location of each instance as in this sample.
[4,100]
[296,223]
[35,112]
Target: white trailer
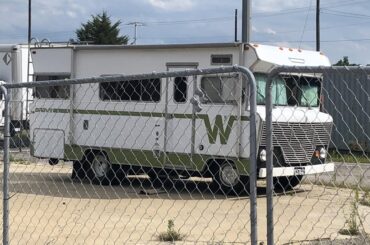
[99,128]
[14,69]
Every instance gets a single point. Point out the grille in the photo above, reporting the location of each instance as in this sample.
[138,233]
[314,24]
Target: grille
[298,140]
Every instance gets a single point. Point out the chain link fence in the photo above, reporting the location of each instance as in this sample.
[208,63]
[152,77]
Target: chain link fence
[174,156]
[329,207]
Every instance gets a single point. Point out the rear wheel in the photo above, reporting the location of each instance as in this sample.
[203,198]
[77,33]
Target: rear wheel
[228,180]
[286,183]
[78,172]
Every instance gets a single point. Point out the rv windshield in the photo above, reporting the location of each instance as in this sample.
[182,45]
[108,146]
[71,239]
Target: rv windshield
[290,90]
[279,94]
[303,90]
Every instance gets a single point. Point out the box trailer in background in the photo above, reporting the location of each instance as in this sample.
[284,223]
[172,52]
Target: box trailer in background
[14,69]
[347,100]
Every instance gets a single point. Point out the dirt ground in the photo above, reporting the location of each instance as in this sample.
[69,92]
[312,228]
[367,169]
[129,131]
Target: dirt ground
[47,207]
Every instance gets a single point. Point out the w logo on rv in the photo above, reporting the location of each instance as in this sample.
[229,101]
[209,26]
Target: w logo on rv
[218,129]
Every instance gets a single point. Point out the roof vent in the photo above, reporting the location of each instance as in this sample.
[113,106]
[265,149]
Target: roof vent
[221,59]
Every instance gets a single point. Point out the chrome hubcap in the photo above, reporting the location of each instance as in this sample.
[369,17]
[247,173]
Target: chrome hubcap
[229,176]
[100,166]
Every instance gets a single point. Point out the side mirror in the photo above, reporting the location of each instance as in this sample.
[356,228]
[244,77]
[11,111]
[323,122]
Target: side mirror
[199,93]
[197,106]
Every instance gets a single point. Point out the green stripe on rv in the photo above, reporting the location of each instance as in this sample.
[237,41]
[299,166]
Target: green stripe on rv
[146,158]
[132,113]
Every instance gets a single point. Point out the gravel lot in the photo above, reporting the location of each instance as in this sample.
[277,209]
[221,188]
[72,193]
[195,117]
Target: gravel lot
[47,207]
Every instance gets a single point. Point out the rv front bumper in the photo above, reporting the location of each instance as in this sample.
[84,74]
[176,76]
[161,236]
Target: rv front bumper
[298,170]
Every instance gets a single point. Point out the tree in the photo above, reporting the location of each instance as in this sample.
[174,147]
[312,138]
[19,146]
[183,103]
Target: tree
[100,30]
[344,62]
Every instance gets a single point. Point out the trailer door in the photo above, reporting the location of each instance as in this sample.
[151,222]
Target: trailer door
[179,120]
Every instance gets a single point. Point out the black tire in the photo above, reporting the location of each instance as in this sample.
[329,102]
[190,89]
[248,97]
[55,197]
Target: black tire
[227,180]
[79,170]
[286,183]
[100,170]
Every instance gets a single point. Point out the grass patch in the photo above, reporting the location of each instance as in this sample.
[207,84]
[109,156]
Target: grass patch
[352,157]
[14,160]
[365,200]
[171,234]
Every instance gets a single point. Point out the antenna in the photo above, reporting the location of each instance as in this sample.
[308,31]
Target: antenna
[135,24]
[317,25]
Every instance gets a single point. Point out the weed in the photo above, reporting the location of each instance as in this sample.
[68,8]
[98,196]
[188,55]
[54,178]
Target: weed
[353,227]
[15,160]
[365,200]
[171,234]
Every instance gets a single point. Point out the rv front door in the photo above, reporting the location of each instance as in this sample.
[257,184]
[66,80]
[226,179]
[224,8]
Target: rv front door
[217,123]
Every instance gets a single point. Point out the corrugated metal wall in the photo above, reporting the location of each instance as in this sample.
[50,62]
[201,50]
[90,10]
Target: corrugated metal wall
[347,100]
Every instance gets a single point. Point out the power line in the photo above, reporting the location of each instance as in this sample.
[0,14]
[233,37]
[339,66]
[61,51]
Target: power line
[323,41]
[305,23]
[303,9]
[345,14]
[204,20]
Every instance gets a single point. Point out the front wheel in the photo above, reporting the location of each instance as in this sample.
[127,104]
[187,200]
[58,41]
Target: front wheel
[228,180]
[101,171]
[286,183]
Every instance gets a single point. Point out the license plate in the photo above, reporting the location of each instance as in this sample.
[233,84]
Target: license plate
[299,171]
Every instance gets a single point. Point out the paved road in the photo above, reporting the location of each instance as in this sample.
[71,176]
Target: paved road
[347,175]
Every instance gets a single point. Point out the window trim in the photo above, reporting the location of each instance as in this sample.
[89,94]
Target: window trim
[187,91]
[233,102]
[61,76]
[133,101]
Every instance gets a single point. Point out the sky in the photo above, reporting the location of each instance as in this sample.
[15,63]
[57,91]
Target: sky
[345,24]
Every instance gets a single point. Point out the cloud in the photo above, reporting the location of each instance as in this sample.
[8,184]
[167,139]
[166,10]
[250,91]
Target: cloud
[59,8]
[173,5]
[277,5]
[267,30]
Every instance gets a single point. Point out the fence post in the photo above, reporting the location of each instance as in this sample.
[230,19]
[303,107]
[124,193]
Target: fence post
[253,152]
[269,158]
[6,168]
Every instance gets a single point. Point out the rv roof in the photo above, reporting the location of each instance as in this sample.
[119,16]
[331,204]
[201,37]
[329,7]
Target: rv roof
[147,46]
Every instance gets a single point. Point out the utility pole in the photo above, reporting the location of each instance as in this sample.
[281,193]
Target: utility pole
[29,21]
[135,24]
[317,25]
[28,55]
[246,21]
[236,26]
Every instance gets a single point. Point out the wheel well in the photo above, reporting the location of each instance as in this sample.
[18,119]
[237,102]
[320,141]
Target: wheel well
[94,151]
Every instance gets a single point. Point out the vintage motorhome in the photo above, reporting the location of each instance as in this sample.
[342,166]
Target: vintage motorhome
[14,69]
[152,125]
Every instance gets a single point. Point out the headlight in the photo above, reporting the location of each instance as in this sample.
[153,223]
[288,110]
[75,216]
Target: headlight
[323,153]
[263,155]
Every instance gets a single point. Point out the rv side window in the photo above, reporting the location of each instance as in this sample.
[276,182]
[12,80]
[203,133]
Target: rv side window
[52,92]
[180,89]
[220,89]
[134,90]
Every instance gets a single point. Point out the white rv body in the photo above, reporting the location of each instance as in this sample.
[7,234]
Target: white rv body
[136,130]
[14,69]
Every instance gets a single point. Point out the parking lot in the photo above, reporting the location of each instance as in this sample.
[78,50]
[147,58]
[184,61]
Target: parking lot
[47,207]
